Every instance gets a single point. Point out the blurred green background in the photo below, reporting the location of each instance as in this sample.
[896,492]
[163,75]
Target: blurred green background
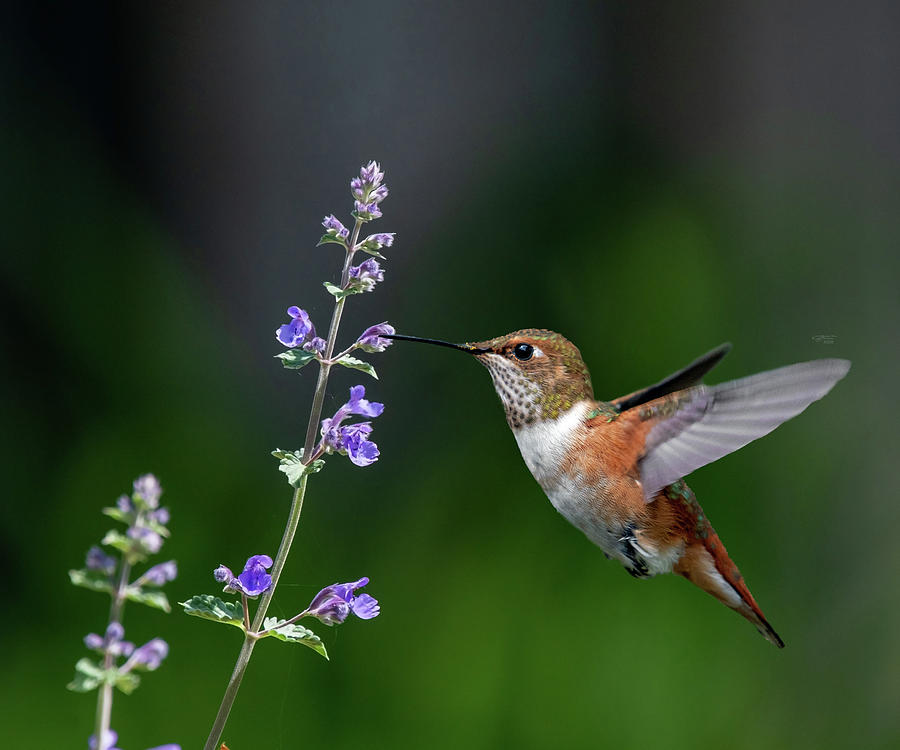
[650,179]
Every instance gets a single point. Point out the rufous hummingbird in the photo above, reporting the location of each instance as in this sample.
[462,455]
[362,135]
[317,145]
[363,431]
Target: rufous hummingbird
[615,469]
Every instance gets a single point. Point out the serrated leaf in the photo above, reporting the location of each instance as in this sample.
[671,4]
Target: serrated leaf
[211,607]
[155,599]
[326,238]
[94,580]
[357,364]
[88,676]
[292,465]
[294,359]
[295,633]
[127,682]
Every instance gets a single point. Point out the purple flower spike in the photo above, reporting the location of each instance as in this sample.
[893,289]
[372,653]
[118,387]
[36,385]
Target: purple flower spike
[371,174]
[109,740]
[367,211]
[97,559]
[335,228]
[298,331]
[149,656]
[333,604]
[111,642]
[353,440]
[147,488]
[371,339]
[160,574]
[366,275]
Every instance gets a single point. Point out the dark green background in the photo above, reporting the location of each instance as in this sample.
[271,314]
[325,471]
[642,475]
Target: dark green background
[648,181]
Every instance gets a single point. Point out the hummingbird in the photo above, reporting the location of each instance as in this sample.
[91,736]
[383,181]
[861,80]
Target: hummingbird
[615,469]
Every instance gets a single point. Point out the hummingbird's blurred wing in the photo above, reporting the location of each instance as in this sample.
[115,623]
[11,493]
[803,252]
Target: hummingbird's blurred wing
[701,424]
[677,381]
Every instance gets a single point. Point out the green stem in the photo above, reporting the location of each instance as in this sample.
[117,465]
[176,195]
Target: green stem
[105,694]
[287,539]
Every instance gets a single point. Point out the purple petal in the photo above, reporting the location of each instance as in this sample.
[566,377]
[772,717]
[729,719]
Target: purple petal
[94,642]
[148,489]
[97,559]
[160,574]
[109,739]
[365,607]
[371,340]
[150,655]
[223,574]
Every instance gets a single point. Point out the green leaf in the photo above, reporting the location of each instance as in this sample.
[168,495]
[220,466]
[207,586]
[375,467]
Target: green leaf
[294,359]
[357,364]
[326,238]
[292,465]
[295,633]
[339,293]
[119,515]
[369,246]
[212,608]
[127,682]
[88,676]
[123,543]
[94,580]
[155,599]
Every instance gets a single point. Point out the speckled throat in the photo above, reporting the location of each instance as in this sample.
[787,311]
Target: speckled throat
[544,386]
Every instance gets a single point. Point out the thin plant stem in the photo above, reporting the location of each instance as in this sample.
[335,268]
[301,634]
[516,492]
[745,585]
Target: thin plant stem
[290,530]
[105,694]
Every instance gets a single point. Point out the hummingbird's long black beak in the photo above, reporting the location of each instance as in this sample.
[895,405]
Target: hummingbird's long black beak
[437,342]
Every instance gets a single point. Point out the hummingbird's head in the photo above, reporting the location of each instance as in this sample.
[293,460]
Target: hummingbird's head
[538,374]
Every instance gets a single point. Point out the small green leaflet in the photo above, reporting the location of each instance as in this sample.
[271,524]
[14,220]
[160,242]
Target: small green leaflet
[294,359]
[326,238]
[212,608]
[339,293]
[155,599]
[292,465]
[357,364]
[369,246]
[295,633]
[94,580]
[88,676]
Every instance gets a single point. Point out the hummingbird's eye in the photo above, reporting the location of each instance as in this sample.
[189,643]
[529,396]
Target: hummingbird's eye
[523,352]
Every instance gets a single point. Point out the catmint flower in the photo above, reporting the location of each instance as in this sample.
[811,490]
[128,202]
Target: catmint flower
[316,344]
[147,488]
[371,339]
[124,504]
[335,228]
[298,331]
[252,582]
[110,738]
[97,559]
[147,539]
[111,642]
[159,574]
[170,746]
[333,604]
[160,516]
[352,440]
[378,241]
[366,211]
[149,656]
[366,275]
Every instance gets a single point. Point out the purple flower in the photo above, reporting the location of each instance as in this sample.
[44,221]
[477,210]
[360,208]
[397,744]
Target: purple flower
[352,440]
[109,739]
[147,488]
[366,275]
[371,174]
[124,504]
[252,582]
[97,559]
[371,339]
[146,539]
[159,574]
[316,344]
[378,241]
[298,331]
[170,746]
[160,516]
[335,228]
[333,604]
[149,656]
[111,642]
[367,211]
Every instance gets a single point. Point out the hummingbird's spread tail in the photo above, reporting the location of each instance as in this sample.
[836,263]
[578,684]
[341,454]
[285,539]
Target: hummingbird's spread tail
[705,561]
